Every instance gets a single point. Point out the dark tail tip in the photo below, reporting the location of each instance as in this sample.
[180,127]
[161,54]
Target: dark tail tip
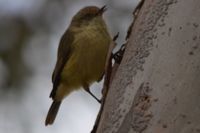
[53,110]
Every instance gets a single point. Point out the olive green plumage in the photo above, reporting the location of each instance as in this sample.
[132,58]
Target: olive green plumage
[81,56]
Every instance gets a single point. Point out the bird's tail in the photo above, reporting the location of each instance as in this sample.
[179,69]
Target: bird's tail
[53,110]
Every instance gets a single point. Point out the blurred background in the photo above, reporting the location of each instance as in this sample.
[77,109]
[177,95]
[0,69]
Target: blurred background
[30,31]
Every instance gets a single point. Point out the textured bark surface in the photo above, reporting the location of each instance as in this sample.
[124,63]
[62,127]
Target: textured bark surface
[157,86]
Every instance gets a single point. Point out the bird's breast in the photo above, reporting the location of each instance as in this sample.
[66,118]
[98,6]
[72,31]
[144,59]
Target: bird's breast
[87,61]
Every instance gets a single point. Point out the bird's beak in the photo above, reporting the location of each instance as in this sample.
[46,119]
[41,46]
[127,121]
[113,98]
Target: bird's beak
[102,10]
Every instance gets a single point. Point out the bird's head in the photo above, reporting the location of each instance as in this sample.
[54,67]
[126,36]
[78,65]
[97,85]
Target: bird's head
[88,15]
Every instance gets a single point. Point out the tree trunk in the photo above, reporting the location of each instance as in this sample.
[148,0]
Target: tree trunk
[157,86]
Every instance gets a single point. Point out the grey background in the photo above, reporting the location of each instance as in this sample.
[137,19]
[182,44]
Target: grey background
[29,34]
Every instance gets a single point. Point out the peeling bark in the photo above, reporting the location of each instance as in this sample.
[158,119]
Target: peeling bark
[156,87]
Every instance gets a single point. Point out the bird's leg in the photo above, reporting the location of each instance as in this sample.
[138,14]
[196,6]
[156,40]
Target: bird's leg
[87,89]
[119,54]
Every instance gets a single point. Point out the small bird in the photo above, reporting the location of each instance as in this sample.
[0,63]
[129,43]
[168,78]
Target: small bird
[81,56]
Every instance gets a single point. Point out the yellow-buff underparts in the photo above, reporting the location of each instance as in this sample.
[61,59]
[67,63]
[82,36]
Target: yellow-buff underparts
[81,56]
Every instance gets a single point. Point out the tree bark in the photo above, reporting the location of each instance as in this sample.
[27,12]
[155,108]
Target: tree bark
[157,86]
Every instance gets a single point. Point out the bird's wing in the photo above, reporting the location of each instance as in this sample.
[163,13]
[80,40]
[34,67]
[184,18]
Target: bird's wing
[63,55]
